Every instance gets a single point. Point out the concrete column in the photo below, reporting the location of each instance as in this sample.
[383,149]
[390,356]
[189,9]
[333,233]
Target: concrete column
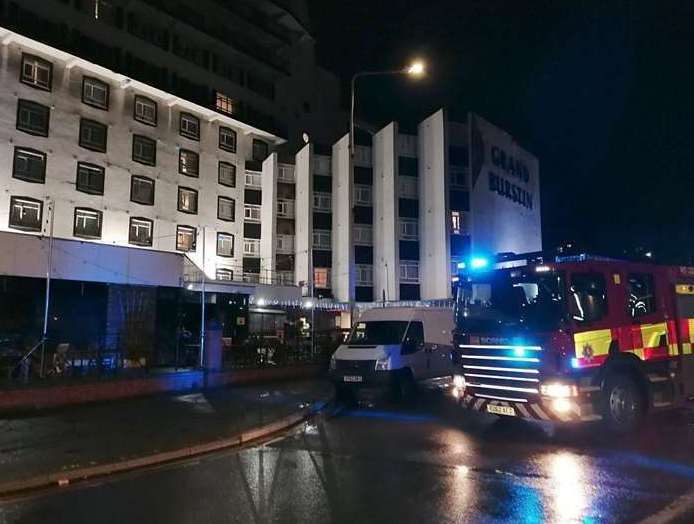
[385,208]
[434,237]
[343,252]
[268,219]
[303,213]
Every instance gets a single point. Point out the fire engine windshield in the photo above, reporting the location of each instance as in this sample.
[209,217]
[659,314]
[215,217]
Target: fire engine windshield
[510,298]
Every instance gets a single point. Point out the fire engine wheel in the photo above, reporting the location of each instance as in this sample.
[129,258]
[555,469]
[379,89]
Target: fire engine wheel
[623,409]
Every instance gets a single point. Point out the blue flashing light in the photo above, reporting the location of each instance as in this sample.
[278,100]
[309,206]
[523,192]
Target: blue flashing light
[479,263]
[519,351]
[461,265]
[575,363]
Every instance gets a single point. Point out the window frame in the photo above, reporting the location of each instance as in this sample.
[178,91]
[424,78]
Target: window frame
[402,227]
[107,87]
[219,172]
[224,271]
[249,207]
[322,270]
[319,196]
[183,152]
[134,242]
[144,162]
[183,115]
[132,185]
[220,198]
[651,304]
[38,59]
[179,205]
[321,233]
[92,167]
[360,190]
[144,120]
[194,230]
[257,142]
[233,133]
[91,147]
[220,235]
[24,103]
[572,302]
[26,199]
[100,218]
[403,276]
[359,270]
[34,152]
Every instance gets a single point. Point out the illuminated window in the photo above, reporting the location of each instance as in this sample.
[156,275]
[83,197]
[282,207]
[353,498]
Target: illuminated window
[95,92]
[185,238]
[29,165]
[187,200]
[188,163]
[456,222]
[36,72]
[87,223]
[321,277]
[26,213]
[224,103]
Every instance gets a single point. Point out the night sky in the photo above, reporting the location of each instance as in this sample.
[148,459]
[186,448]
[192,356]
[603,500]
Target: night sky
[601,92]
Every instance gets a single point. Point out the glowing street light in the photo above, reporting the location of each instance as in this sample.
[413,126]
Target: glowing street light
[416,69]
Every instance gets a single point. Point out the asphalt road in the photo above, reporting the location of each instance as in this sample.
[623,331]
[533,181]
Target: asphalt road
[424,463]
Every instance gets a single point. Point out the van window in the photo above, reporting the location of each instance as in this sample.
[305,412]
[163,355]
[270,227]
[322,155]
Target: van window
[588,301]
[414,338]
[641,299]
[378,332]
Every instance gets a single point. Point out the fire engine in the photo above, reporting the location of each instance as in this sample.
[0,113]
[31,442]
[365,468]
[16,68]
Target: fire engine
[572,339]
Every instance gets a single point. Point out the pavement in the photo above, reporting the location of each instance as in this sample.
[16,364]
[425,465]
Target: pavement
[427,462]
[59,446]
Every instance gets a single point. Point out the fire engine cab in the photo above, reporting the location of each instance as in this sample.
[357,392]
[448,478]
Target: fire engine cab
[577,338]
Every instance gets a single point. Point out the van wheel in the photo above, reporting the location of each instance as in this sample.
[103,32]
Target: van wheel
[623,404]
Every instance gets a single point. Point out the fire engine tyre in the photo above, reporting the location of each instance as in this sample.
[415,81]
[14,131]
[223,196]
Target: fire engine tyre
[623,403]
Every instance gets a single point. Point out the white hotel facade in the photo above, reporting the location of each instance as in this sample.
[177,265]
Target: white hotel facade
[142,187]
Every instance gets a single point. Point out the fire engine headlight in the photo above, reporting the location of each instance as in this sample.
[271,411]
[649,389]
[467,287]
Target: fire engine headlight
[459,381]
[382,364]
[561,405]
[558,390]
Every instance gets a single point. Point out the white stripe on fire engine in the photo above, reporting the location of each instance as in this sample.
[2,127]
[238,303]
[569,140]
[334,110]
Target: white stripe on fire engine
[520,379]
[510,370]
[496,357]
[485,346]
[503,388]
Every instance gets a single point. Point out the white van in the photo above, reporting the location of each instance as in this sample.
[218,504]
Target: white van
[394,347]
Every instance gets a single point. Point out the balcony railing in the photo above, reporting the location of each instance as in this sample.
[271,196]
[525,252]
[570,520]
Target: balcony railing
[285,173]
[285,208]
[251,247]
[253,179]
[284,278]
[285,244]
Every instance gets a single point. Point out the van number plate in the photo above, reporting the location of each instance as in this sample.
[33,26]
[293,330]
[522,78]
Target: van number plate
[501,410]
[352,378]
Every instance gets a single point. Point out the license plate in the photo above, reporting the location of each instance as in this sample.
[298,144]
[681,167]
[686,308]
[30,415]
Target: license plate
[352,378]
[501,410]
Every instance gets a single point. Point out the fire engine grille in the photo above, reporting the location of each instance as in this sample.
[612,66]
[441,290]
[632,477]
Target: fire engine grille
[355,366]
[510,373]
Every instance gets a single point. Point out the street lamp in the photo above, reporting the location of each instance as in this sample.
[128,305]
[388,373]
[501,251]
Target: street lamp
[416,69]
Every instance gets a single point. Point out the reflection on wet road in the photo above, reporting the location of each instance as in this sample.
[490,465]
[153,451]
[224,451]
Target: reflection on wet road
[427,463]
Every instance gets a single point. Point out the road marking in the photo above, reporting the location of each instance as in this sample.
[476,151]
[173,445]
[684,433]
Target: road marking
[675,509]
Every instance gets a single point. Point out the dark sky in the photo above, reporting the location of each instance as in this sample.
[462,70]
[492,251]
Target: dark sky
[601,92]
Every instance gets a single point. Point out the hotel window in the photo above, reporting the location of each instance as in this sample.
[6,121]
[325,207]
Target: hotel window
[140,231]
[95,92]
[226,209]
[33,118]
[187,200]
[26,213]
[29,165]
[409,229]
[224,274]
[363,195]
[456,222]
[251,213]
[321,277]
[185,238]
[227,174]
[260,150]
[227,139]
[90,178]
[142,190]
[225,245]
[37,72]
[93,135]
[145,110]
[322,201]
[87,223]
[144,150]
[189,126]
[224,103]
[321,239]
[188,163]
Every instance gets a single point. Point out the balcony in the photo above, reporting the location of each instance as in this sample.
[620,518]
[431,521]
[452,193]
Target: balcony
[409,272]
[251,278]
[285,208]
[251,213]
[363,235]
[285,173]
[285,244]
[251,247]
[322,239]
[364,275]
[253,179]
[284,278]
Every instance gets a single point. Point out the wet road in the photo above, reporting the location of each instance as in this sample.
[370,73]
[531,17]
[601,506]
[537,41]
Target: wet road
[423,463]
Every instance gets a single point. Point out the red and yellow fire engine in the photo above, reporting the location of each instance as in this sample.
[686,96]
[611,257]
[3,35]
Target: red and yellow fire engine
[579,338]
